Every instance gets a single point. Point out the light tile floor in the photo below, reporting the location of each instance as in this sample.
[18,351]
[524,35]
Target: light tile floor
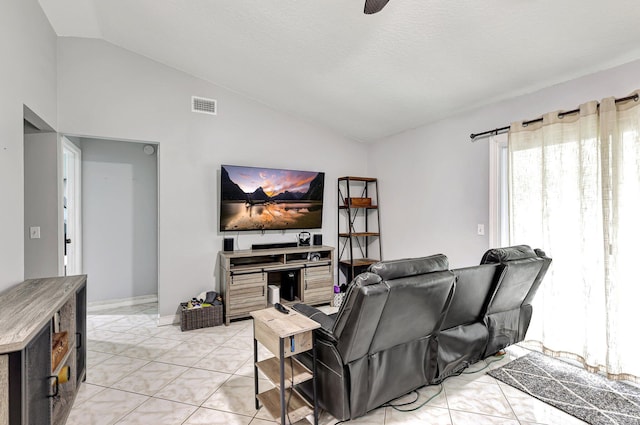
[138,373]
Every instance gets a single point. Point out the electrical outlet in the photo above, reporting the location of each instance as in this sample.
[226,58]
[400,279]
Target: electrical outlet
[481,229]
[34,232]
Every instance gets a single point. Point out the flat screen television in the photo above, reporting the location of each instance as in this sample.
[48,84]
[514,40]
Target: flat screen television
[253,198]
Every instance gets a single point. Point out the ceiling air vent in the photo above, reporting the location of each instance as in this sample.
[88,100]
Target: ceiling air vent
[203,105]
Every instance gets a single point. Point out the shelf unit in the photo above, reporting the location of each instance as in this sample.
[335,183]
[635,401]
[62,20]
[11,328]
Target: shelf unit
[285,335]
[31,313]
[359,238]
[65,392]
[246,275]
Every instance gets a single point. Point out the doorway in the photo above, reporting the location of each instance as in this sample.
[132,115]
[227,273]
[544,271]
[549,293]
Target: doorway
[119,219]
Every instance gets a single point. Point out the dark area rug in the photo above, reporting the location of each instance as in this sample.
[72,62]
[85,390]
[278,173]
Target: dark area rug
[587,396]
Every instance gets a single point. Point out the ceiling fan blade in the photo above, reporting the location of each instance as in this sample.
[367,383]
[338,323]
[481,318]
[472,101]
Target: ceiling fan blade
[374,6]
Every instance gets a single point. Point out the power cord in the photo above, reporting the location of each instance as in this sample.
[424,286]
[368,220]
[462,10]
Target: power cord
[396,406]
[487,364]
[403,404]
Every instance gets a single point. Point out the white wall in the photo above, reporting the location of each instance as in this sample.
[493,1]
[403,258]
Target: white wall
[41,205]
[105,91]
[434,182]
[27,77]
[119,213]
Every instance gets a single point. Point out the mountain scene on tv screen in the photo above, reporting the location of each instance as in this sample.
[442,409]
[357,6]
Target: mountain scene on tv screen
[268,199]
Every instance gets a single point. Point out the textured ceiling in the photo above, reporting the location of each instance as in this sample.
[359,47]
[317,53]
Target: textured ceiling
[367,76]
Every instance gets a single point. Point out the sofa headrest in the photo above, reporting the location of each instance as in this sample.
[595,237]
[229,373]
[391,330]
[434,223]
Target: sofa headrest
[393,269]
[500,255]
[365,279]
[540,253]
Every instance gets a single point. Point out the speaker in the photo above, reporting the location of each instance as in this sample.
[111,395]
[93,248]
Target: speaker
[289,284]
[274,245]
[228,244]
[317,239]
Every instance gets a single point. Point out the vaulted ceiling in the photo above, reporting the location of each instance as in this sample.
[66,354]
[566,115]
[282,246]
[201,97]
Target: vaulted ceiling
[367,76]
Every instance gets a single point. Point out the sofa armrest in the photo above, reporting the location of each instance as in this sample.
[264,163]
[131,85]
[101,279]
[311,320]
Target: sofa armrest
[326,321]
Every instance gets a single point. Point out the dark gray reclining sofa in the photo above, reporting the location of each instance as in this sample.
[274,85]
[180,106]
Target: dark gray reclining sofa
[411,322]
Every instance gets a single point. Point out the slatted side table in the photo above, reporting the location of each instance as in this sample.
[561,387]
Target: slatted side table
[285,335]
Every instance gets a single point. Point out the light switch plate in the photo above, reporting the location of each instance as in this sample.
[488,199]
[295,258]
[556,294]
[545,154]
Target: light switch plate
[481,229]
[34,232]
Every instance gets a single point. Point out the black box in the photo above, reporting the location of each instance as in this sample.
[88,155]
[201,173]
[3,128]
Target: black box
[289,284]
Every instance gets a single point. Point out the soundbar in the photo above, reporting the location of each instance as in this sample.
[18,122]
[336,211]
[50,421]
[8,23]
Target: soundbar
[274,245]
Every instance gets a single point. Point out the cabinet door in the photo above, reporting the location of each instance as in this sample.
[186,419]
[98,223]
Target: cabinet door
[37,384]
[247,292]
[318,284]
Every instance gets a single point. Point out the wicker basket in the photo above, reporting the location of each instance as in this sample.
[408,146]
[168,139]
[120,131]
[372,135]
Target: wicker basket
[197,318]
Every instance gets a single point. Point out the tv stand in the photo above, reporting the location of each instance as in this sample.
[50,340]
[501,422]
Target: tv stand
[246,274]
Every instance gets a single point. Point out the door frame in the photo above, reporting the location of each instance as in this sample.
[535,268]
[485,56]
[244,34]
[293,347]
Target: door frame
[76,189]
[157,145]
[498,191]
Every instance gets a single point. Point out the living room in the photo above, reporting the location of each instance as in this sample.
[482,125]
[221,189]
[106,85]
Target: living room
[92,88]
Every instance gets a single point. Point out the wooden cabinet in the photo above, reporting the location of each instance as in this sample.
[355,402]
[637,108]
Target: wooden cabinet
[42,335]
[246,276]
[284,335]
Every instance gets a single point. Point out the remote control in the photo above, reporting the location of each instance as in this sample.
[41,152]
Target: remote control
[281,308]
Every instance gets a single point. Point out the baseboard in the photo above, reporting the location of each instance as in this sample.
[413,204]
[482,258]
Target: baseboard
[122,302]
[173,319]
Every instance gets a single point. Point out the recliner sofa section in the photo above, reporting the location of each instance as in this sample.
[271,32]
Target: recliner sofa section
[412,322]
[509,309]
[463,337]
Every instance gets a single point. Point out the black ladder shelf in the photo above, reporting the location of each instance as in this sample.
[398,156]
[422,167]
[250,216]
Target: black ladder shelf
[359,243]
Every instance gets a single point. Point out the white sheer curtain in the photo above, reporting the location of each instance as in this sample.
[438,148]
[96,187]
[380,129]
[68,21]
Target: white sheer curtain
[574,191]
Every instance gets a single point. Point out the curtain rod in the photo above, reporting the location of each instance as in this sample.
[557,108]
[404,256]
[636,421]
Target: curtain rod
[497,131]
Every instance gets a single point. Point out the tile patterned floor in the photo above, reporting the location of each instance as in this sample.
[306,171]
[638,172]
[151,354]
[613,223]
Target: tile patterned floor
[138,373]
